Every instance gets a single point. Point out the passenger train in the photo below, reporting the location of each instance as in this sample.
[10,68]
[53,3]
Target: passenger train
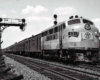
[76,39]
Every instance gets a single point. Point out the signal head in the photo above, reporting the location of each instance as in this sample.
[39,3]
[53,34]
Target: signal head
[55,22]
[0,19]
[23,20]
[22,27]
[55,16]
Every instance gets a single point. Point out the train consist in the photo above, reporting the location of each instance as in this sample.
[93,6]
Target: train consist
[76,39]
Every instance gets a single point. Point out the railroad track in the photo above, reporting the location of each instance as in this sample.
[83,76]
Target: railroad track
[5,72]
[56,71]
[92,68]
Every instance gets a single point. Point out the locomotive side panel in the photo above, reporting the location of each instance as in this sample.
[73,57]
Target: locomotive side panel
[26,45]
[52,38]
[14,50]
[19,47]
[55,41]
[35,43]
[52,43]
[31,43]
[39,42]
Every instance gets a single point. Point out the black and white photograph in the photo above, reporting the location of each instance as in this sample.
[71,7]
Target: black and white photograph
[49,39]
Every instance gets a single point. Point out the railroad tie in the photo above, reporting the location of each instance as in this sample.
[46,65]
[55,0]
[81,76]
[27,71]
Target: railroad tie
[7,70]
[17,78]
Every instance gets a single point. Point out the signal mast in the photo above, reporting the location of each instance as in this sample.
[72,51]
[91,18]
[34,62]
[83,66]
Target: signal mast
[7,22]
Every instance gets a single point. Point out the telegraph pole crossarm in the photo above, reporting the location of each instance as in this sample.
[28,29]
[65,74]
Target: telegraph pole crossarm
[4,23]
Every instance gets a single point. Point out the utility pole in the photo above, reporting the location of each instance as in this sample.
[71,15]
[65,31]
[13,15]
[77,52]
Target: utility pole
[7,22]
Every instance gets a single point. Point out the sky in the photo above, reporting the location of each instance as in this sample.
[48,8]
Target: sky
[39,15]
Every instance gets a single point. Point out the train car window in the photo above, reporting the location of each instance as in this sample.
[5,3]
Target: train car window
[50,37]
[87,21]
[42,34]
[45,33]
[50,31]
[54,36]
[75,21]
[56,29]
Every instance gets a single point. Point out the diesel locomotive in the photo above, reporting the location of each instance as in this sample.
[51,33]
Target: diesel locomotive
[75,39]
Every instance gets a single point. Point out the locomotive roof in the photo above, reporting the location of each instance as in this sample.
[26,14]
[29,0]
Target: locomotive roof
[63,22]
[53,26]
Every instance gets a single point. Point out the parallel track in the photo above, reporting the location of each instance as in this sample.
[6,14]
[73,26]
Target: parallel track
[92,68]
[56,71]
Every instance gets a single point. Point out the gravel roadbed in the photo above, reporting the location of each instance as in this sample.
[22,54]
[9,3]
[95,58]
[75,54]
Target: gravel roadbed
[20,69]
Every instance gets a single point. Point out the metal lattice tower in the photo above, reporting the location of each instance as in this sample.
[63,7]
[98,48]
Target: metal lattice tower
[7,22]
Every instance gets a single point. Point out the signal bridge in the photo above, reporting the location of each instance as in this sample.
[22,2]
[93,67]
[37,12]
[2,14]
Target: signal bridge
[7,22]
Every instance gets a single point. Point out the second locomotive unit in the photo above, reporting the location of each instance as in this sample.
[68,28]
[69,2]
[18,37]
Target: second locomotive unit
[76,39]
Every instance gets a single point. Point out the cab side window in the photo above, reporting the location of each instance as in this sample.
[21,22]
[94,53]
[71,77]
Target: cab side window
[87,21]
[56,29]
[50,31]
[43,34]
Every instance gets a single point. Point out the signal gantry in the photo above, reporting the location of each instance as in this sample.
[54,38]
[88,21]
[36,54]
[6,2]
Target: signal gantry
[7,22]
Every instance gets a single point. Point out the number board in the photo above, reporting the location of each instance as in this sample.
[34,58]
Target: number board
[73,34]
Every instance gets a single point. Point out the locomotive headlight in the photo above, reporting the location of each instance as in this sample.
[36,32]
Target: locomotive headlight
[96,34]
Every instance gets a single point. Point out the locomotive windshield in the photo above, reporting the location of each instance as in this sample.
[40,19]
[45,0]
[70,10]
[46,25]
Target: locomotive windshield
[75,21]
[87,21]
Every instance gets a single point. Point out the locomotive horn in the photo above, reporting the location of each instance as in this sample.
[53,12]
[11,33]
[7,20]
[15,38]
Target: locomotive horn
[70,17]
[76,16]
